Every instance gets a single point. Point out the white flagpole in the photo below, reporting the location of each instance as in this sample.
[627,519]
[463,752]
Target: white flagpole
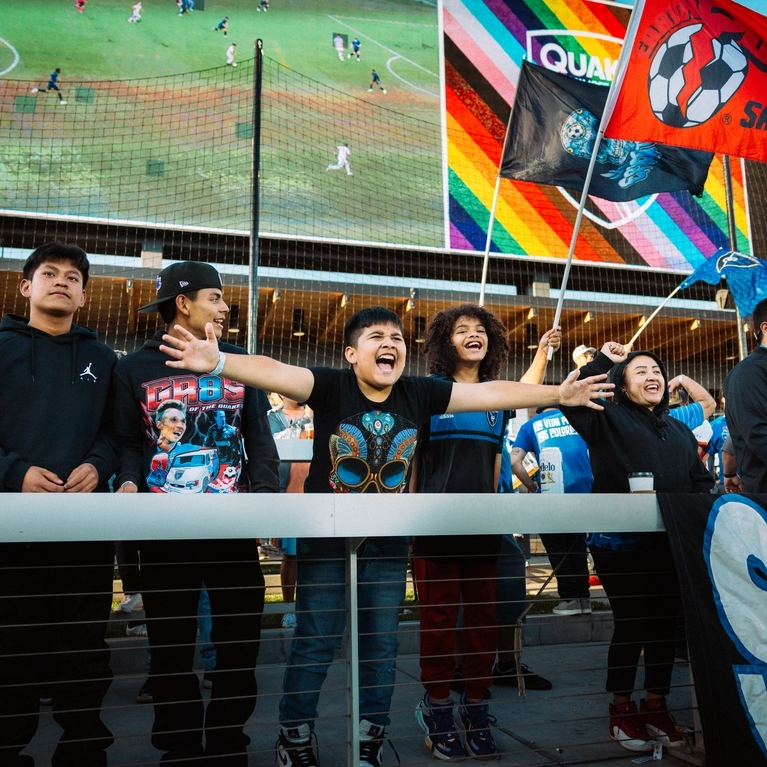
[488,240]
[652,316]
[628,43]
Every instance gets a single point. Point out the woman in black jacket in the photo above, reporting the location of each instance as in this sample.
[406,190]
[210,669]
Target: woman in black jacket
[635,434]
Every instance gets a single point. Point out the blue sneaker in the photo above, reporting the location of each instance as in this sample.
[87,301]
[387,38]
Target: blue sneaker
[476,721]
[436,720]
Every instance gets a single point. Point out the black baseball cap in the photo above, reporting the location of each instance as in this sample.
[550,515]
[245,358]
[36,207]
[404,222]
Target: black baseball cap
[184,277]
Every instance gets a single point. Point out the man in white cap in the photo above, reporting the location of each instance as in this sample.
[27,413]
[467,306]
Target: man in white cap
[583,355]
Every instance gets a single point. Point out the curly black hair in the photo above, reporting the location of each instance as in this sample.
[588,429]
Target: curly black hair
[439,349]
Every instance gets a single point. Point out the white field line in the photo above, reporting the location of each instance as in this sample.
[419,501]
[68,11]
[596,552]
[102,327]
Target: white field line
[385,21]
[394,57]
[16,57]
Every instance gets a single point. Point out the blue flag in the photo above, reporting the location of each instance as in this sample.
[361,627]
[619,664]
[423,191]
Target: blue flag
[746,277]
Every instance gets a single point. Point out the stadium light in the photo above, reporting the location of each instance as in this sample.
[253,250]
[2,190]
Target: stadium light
[589,317]
[532,312]
[344,300]
[695,324]
[299,329]
[276,296]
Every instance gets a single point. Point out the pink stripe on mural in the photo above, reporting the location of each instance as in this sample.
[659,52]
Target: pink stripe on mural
[475,53]
[636,236]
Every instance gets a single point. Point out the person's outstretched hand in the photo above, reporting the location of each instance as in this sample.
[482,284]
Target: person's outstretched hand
[574,392]
[191,353]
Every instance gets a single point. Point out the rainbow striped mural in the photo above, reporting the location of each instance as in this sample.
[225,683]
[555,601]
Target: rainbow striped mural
[485,42]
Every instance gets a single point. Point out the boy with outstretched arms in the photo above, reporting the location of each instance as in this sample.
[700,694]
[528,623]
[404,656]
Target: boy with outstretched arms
[55,437]
[369,417]
[184,433]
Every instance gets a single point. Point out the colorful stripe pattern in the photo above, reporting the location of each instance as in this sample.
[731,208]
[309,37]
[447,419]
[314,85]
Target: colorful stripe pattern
[485,42]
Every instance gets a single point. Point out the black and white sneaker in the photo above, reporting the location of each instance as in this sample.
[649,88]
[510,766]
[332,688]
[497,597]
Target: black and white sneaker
[295,748]
[371,743]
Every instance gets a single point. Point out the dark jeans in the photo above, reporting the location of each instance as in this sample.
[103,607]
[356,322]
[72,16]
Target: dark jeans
[567,551]
[172,575]
[55,597]
[643,590]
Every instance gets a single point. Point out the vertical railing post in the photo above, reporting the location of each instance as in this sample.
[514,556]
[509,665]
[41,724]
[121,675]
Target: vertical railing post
[258,74]
[353,654]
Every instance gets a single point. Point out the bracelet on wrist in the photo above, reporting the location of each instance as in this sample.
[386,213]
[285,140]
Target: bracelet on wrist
[221,362]
[730,476]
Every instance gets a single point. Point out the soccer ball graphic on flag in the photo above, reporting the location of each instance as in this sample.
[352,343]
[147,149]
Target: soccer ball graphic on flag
[685,92]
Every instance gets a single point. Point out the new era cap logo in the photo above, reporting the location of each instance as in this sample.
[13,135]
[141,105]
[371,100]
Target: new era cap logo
[182,283]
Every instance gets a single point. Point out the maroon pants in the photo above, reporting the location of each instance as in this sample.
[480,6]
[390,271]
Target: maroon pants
[443,586]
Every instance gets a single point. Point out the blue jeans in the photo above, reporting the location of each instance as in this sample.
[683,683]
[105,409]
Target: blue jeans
[511,588]
[321,622]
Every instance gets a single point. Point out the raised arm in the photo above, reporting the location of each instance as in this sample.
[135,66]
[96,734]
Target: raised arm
[510,395]
[261,372]
[536,373]
[698,393]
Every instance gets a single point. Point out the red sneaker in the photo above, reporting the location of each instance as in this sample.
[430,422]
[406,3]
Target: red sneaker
[628,728]
[659,722]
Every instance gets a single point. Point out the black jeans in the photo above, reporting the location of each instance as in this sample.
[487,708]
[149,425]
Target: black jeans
[55,598]
[172,573]
[568,552]
[643,590]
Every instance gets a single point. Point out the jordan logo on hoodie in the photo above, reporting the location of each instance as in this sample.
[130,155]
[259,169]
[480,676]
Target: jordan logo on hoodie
[87,372]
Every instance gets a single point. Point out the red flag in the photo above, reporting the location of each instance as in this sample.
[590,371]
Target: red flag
[696,77]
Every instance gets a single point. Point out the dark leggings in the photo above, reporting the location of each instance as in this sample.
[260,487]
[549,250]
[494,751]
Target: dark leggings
[643,590]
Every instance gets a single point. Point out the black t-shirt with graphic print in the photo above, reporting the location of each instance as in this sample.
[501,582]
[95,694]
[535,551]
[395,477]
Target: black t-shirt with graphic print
[362,446]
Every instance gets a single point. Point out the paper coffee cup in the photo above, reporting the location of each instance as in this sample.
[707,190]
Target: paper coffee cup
[642,482]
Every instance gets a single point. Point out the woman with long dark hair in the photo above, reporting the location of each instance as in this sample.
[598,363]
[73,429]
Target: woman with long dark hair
[634,434]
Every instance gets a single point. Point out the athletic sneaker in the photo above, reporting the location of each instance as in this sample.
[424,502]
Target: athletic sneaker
[35,90]
[62,101]
[289,621]
[573,607]
[145,693]
[130,602]
[476,722]
[136,631]
[510,678]
[436,720]
[384,90]
[294,747]
[659,722]
[371,743]
[628,728]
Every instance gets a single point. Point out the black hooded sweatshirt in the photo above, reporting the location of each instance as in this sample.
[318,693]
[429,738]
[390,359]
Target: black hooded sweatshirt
[55,402]
[626,437]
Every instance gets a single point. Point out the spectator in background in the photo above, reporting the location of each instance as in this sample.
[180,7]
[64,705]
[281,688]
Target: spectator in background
[289,419]
[583,354]
[719,436]
[566,551]
[61,443]
[746,409]
[695,413]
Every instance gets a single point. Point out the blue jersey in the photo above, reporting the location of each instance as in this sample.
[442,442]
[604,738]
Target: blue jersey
[376,78]
[552,429]
[356,45]
[691,415]
[719,437]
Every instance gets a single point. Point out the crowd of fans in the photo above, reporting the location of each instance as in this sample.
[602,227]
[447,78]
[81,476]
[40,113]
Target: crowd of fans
[188,413]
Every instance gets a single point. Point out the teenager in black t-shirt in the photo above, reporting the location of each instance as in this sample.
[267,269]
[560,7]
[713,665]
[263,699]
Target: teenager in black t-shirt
[369,417]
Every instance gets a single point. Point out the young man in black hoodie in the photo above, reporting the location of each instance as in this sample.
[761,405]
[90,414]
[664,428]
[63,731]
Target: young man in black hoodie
[61,375]
[170,426]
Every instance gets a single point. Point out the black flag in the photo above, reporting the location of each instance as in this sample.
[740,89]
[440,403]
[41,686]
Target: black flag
[720,551]
[552,133]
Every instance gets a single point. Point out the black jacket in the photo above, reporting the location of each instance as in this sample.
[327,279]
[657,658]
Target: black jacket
[143,382]
[55,402]
[745,391]
[625,438]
